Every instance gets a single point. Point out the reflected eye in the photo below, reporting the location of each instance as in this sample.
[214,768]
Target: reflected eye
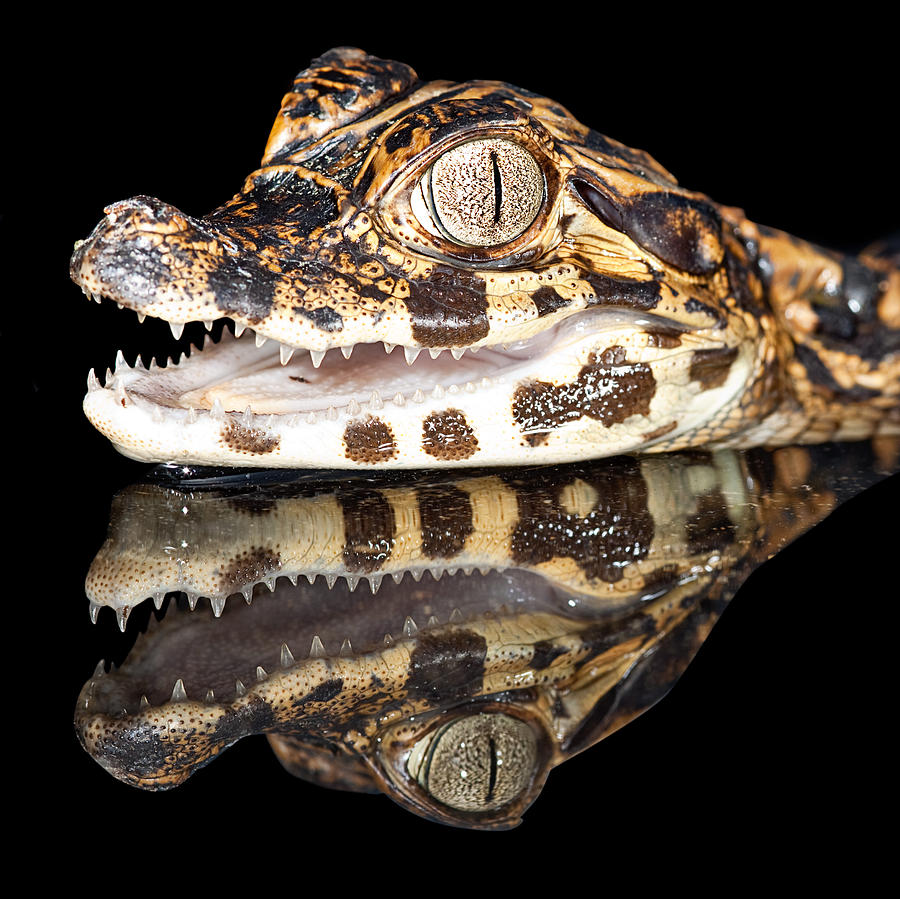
[476,764]
[483,193]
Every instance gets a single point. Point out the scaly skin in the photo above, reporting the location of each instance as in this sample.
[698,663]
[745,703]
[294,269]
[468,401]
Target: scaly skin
[643,316]
[569,599]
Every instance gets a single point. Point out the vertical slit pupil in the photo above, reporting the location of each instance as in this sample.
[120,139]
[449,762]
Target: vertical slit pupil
[498,186]
[492,778]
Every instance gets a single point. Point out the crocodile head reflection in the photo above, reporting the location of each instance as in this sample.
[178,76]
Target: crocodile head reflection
[445,640]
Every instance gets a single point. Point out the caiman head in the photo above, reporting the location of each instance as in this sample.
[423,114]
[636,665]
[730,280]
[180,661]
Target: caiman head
[514,288]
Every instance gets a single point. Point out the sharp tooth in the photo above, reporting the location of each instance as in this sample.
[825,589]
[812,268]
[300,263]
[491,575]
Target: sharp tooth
[109,380]
[208,323]
[92,383]
[145,703]
[210,696]
[332,413]
[176,328]
[317,356]
[470,387]
[247,417]
[388,640]
[410,354]
[456,352]
[486,382]
[192,599]
[438,392]
[100,670]
[311,578]
[311,419]
[456,615]
[389,347]
[270,583]
[397,576]
[96,298]
[398,399]
[437,573]
[158,598]
[346,350]
[285,353]
[192,415]
[434,353]
[374,583]
[353,408]
[432,621]
[418,397]
[453,389]
[122,617]
[218,604]
[178,692]
[120,305]
[417,575]
[352,582]
[287,657]
[261,673]
[93,609]
[157,414]
[260,339]
[375,401]
[346,647]
[120,361]
[317,648]
[217,413]
[247,593]
[140,317]
[239,329]
[330,580]
[409,627]
[239,688]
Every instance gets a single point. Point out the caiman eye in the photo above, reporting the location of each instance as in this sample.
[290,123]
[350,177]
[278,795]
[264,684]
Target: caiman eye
[476,764]
[484,192]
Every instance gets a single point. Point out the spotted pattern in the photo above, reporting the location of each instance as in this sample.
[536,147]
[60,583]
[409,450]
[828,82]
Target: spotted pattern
[250,440]
[369,441]
[447,436]
[608,389]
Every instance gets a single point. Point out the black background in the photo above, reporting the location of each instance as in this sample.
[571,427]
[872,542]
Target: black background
[773,744]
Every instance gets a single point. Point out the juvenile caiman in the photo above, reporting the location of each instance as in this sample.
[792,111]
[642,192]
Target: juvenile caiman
[514,287]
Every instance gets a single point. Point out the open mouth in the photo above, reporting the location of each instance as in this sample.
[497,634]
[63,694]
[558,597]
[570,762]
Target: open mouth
[243,372]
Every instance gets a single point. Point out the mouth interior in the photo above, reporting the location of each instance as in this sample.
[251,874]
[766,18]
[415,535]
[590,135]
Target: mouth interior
[207,653]
[238,373]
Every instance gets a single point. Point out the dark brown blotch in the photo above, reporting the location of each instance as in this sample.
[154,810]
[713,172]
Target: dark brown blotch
[447,436]
[448,309]
[368,529]
[603,540]
[255,441]
[369,441]
[710,367]
[446,666]
[710,527]
[608,389]
[445,513]
[250,567]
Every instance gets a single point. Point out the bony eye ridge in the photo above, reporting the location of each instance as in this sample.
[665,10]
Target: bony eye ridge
[477,763]
[484,192]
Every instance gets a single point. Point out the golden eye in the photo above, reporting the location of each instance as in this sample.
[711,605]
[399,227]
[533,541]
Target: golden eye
[484,192]
[476,764]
